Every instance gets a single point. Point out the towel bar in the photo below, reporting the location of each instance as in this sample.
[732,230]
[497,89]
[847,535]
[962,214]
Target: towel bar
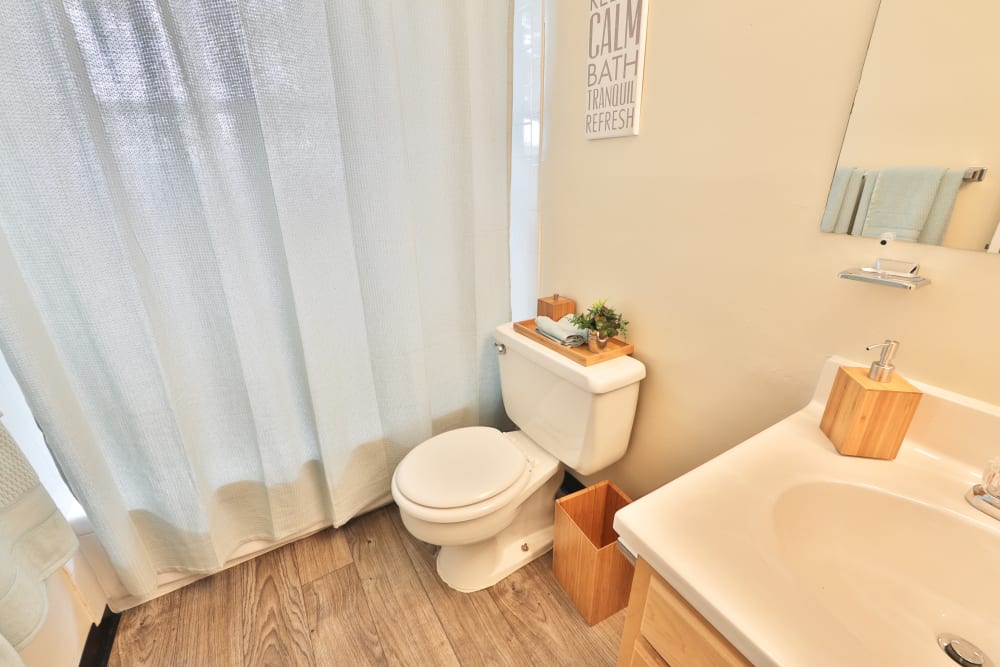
[974,174]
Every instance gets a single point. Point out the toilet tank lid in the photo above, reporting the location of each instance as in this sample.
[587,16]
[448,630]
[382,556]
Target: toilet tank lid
[460,467]
[597,379]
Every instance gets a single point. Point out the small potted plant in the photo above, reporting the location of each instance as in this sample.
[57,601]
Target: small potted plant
[603,322]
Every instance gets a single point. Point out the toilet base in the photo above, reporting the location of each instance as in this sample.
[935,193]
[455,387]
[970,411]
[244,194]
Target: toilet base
[472,567]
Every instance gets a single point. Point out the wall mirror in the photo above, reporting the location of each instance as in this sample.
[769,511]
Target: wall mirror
[926,118]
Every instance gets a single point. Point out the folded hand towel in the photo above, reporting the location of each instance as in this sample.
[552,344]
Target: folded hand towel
[944,204]
[563,331]
[868,179]
[901,201]
[35,541]
[843,199]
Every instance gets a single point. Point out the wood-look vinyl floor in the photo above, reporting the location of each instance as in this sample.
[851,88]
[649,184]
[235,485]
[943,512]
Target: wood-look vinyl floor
[366,594]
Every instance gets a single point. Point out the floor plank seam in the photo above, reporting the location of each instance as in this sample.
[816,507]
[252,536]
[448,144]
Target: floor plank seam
[371,612]
[404,537]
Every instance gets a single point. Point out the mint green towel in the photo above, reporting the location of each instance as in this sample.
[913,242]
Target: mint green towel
[868,179]
[843,198]
[906,201]
[944,205]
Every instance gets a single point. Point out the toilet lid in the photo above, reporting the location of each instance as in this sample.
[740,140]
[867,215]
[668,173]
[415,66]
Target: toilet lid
[459,468]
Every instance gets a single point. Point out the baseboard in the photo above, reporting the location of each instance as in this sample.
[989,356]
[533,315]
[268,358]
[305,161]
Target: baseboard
[100,641]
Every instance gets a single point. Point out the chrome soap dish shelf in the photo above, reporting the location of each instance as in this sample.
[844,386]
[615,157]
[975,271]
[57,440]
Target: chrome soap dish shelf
[888,272]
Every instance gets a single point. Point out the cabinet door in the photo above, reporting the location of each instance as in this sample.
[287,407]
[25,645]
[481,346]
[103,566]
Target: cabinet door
[680,635]
[643,655]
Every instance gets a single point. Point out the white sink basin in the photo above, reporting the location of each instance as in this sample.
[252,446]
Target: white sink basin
[802,556]
[889,561]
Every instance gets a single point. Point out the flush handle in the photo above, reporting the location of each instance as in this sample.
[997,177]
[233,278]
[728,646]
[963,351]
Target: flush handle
[501,348]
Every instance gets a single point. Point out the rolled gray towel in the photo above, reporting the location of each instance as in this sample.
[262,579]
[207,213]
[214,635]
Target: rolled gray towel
[563,331]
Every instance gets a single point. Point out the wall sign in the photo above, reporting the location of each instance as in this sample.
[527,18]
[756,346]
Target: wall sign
[615,55]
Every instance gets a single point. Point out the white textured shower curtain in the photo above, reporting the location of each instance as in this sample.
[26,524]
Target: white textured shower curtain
[250,253]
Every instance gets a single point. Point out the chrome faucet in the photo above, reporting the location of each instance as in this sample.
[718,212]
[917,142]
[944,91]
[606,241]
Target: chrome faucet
[985,497]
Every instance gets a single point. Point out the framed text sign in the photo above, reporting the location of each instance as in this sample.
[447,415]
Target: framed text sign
[615,55]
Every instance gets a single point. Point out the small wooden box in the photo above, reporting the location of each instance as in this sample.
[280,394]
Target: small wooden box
[585,559]
[556,306]
[868,418]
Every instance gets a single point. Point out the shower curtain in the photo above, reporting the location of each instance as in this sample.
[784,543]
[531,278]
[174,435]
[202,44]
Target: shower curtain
[251,252]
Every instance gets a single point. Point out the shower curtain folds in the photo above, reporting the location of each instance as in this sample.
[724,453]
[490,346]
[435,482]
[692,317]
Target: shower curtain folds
[250,254]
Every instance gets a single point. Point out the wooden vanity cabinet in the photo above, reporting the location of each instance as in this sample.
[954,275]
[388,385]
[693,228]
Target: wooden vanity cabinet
[663,630]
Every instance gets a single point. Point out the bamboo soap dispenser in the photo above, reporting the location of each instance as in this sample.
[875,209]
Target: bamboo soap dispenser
[869,410]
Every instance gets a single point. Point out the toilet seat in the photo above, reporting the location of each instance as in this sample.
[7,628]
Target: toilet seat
[461,475]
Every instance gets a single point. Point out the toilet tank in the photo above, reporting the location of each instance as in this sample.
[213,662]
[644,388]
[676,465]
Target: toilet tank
[582,415]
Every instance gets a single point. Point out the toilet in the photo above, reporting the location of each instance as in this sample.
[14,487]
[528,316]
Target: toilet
[485,496]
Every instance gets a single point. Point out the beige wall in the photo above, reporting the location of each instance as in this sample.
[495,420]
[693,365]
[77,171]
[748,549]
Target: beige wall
[704,229]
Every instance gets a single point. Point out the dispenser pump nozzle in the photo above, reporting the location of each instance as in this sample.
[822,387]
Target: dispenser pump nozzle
[881,370]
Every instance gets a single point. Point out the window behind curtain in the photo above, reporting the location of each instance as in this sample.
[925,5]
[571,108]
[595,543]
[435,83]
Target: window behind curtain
[525,143]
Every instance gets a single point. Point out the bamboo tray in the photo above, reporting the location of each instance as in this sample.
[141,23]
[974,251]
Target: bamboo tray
[581,355]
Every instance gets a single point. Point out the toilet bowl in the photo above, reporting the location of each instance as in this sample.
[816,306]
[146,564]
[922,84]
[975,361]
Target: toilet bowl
[486,497]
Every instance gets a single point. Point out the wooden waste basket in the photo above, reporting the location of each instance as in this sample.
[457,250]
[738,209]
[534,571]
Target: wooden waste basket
[585,559]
